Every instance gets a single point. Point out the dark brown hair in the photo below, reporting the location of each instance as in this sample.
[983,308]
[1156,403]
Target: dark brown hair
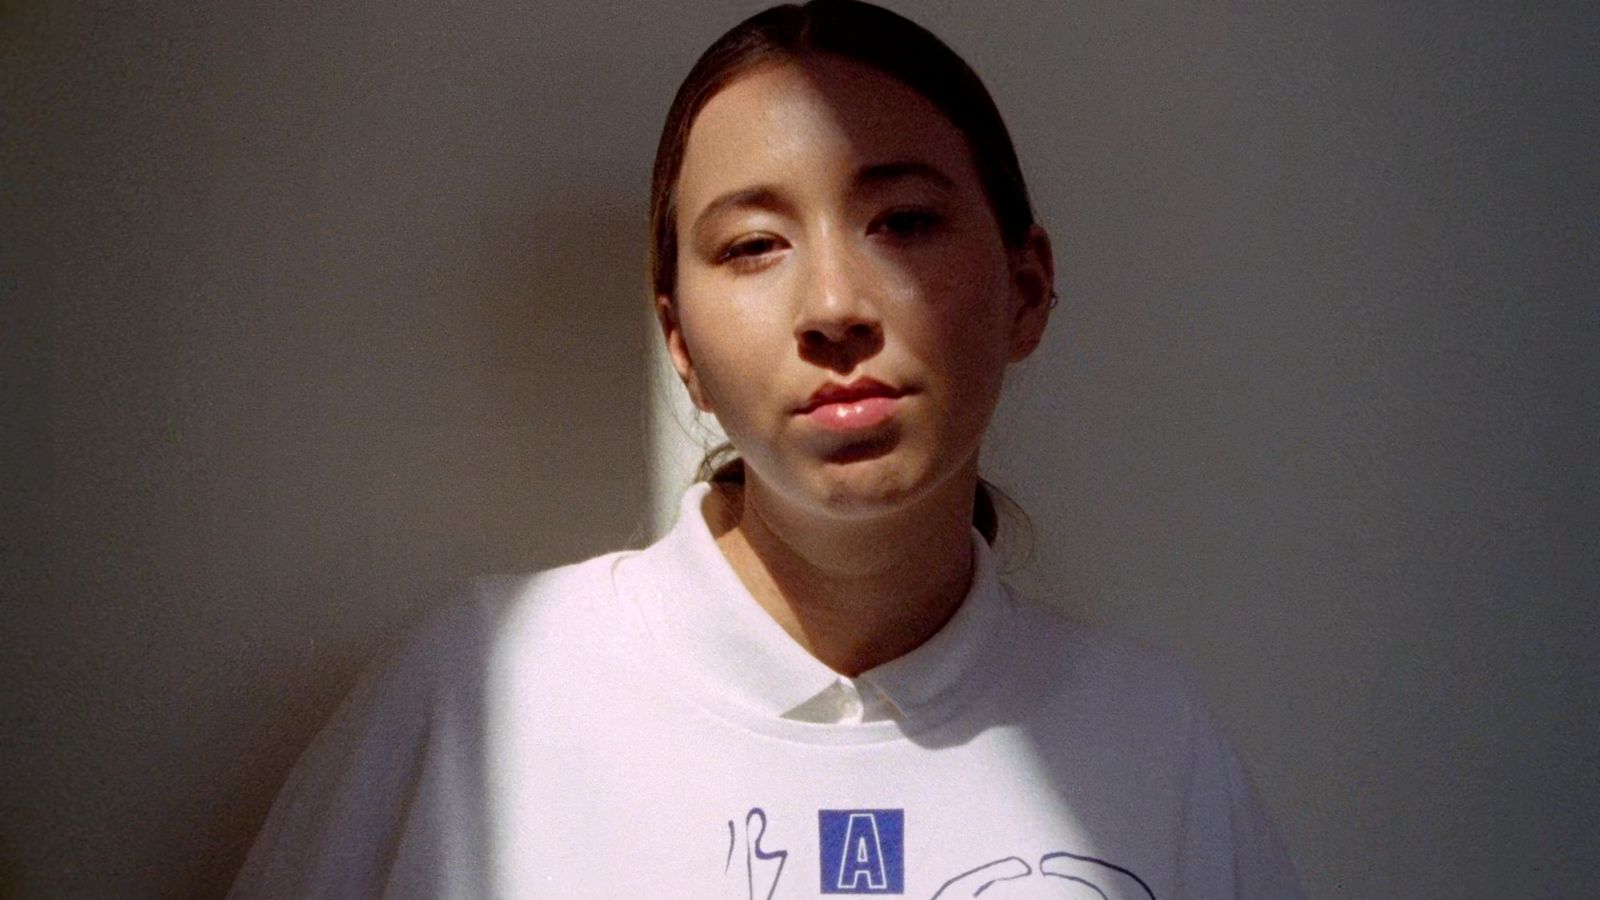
[866,34]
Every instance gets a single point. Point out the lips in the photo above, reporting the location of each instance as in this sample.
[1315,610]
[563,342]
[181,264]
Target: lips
[854,392]
[862,405]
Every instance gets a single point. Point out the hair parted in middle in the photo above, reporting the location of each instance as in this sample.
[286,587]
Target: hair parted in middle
[862,33]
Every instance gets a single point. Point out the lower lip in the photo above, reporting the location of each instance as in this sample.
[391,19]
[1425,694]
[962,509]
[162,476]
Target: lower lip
[867,412]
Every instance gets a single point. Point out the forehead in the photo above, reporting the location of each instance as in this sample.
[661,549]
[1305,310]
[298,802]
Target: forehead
[811,120]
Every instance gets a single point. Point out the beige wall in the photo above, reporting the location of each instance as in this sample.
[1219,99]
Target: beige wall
[310,311]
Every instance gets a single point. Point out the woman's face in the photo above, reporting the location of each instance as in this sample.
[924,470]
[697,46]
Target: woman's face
[845,304]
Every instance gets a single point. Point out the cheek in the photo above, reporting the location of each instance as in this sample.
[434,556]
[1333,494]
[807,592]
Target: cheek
[729,343]
[966,331]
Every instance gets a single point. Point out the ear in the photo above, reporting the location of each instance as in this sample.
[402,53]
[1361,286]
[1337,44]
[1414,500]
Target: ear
[678,351]
[1033,278]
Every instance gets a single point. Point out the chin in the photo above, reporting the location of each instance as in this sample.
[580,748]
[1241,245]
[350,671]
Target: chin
[874,485]
[858,480]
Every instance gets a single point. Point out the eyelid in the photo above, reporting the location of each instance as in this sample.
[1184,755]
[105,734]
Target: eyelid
[928,216]
[728,251]
[732,257]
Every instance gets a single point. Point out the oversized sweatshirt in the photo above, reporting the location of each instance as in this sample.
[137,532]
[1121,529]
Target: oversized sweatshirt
[635,726]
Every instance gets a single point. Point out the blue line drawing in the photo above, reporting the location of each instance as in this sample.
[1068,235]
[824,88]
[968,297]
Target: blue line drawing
[973,882]
[754,851]
[1062,864]
[1108,880]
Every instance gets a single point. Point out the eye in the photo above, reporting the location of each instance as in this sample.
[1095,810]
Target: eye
[908,222]
[744,252]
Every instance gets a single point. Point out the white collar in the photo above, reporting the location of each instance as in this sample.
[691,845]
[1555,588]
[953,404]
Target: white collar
[700,614]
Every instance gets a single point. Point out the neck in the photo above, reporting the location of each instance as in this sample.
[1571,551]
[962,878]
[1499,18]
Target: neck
[854,593]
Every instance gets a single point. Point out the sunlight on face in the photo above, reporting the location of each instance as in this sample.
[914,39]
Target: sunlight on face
[834,235]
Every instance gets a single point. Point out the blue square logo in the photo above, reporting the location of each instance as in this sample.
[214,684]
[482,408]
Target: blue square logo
[863,850]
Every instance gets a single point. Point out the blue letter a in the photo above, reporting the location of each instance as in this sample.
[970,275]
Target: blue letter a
[863,855]
[863,851]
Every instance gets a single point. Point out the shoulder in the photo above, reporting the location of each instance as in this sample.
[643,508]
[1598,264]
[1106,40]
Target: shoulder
[493,614]
[394,773]
[1134,717]
[1094,668]
[1111,698]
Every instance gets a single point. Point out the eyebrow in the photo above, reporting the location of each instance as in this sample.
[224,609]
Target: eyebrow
[772,199]
[883,173]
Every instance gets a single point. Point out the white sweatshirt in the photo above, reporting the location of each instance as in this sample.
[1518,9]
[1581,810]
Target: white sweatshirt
[635,726]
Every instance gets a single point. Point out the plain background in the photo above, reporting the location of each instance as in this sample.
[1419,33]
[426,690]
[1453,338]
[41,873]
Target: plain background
[313,309]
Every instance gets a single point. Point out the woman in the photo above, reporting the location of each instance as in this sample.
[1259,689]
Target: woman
[815,681]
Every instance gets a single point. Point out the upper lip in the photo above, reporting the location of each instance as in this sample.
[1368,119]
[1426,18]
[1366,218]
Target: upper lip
[860,389]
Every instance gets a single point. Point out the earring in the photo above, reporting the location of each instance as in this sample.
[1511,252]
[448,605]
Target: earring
[1055,298]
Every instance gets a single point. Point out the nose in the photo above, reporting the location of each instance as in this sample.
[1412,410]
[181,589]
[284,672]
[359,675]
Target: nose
[838,323]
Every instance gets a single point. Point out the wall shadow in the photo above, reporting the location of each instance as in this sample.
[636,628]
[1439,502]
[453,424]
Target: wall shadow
[533,456]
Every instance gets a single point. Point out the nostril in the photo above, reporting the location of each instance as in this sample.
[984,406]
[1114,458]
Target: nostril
[854,333]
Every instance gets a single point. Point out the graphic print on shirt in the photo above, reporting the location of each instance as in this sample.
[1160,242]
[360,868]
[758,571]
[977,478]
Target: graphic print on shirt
[757,858]
[1060,875]
[862,850]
